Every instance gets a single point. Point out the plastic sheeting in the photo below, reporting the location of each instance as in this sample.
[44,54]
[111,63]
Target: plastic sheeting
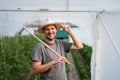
[105,62]
[102,33]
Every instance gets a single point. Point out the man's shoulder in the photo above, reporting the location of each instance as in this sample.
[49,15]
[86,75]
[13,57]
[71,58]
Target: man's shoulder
[39,45]
[58,40]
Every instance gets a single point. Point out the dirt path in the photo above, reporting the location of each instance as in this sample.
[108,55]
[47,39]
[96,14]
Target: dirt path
[73,74]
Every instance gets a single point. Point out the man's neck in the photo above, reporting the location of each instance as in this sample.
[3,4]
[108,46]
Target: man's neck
[50,41]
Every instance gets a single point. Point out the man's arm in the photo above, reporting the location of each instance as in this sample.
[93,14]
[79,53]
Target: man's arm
[40,68]
[77,44]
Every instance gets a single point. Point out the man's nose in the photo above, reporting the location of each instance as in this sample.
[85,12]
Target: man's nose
[50,31]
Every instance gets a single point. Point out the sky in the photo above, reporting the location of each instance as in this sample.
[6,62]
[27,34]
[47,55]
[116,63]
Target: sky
[113,5]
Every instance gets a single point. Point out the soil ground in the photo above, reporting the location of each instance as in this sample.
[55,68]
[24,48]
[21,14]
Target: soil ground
[73,74]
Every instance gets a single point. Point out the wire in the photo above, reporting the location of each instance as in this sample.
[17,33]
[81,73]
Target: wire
[109,35]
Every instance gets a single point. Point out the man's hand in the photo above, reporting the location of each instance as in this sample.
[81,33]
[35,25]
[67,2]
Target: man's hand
[66,28]
[60,59]
[77,44]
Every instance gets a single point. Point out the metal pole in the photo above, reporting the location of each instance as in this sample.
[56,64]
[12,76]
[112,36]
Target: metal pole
[45,10]
[67,4]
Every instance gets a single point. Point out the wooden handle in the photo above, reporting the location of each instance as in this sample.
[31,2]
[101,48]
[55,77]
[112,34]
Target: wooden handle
[45,44]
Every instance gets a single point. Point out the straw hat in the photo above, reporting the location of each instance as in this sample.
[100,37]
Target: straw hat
[47,21]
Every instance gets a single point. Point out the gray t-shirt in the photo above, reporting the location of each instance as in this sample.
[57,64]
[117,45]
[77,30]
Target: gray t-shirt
[44,55]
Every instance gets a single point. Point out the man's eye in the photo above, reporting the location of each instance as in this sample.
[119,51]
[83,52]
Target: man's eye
[46,29]
[53,28]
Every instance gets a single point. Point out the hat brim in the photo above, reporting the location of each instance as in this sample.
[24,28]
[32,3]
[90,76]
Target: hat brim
[40,29]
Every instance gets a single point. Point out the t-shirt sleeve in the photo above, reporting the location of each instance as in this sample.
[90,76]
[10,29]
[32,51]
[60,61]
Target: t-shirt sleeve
[67,46]
[36,53]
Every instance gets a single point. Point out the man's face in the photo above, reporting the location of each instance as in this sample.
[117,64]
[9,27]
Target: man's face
[50,32]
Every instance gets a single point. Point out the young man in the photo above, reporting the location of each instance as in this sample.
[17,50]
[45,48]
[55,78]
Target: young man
[44,61]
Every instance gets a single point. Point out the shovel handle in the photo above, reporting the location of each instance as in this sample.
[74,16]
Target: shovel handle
[44,44]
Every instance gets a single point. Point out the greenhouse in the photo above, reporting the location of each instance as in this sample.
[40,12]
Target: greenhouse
[95,23]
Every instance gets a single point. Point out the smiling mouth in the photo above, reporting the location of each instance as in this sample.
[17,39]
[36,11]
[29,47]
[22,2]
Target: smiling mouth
[50,35]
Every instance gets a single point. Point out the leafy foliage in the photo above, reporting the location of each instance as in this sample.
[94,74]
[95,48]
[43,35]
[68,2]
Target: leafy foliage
[80,67]
[86,53]
[15,57]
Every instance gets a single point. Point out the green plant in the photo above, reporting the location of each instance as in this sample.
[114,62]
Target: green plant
[86,53]
[15,57]
[83,74]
